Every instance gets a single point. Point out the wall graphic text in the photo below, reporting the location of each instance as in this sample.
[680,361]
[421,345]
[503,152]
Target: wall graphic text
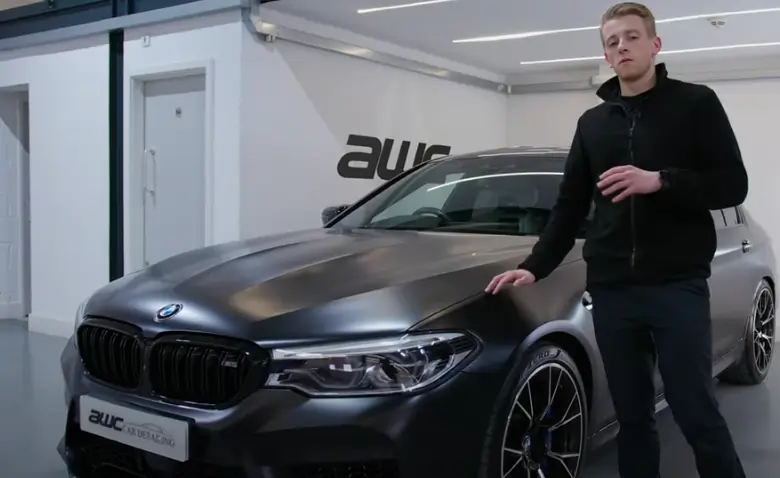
[376,161]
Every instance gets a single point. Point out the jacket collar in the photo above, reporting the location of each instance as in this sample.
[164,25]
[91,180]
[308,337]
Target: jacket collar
[610,90]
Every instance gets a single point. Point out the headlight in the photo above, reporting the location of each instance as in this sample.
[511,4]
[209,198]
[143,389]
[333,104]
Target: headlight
[371,367]
[77,321]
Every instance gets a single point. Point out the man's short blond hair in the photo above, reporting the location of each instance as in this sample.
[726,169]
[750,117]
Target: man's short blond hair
[625,9]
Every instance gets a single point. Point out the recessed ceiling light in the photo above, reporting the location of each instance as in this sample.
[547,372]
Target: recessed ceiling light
[523,35]
[405,5]
[668,52]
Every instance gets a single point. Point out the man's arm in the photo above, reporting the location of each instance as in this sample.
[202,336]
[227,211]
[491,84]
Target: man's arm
[721,181]
[574,198]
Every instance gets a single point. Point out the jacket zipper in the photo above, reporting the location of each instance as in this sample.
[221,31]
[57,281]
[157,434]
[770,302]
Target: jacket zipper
[632,116]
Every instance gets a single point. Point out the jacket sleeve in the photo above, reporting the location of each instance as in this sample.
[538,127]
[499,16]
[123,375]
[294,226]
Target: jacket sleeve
[575,195]
[721,180]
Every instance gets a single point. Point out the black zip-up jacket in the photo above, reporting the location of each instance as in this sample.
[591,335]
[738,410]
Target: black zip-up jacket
[677,127]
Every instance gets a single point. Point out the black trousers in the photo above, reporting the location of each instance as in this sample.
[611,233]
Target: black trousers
[635,325]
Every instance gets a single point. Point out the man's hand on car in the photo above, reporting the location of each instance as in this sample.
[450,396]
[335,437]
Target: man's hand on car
[516,277]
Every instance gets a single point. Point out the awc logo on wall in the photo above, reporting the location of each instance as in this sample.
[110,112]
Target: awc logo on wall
[375,163]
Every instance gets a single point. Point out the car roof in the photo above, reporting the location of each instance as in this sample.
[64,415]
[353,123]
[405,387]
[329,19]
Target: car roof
[550,158]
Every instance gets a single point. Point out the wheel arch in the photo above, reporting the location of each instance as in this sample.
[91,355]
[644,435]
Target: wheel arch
[771,283]
[567,335]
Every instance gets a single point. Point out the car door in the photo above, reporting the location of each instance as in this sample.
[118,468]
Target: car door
[731,286]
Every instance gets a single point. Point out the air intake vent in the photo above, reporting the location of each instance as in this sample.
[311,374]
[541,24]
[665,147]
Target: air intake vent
[110,355]
[195,369]
[198,373]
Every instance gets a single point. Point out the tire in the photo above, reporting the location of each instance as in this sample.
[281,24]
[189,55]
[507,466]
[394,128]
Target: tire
[558,448]
[754,362]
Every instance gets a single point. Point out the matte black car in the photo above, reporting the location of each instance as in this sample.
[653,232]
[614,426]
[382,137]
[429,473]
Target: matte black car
[368,348]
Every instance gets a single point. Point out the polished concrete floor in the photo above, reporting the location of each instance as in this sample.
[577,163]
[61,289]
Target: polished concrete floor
[32,415]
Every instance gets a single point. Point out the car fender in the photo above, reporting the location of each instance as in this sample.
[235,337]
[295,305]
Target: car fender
[575,334]
[554,328]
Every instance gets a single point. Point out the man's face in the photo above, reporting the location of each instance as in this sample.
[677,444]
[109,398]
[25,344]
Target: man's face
[628,46]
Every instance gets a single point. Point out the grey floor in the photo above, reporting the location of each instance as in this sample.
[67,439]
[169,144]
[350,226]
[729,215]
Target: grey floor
[32,415]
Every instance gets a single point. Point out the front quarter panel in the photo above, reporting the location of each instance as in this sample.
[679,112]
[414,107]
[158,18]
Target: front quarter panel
[506,320]
[513,321]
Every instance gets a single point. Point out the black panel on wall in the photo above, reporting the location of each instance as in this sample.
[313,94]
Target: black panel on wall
[116,243]
[138,6]
[51,15]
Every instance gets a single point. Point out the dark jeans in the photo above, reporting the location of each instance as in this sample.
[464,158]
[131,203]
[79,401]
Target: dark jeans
[634,326]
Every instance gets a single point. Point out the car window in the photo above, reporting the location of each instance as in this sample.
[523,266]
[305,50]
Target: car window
[427,195]
[718,219]
[502,195]
[731,216]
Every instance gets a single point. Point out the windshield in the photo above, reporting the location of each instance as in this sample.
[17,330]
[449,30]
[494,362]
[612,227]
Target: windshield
[506,195]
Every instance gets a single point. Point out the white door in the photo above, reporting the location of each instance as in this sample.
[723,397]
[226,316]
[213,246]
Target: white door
[14,207]
[174,170]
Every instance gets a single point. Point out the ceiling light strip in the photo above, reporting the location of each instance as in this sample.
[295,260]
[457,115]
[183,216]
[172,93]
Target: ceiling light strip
[523,35]
[669,52]
[405,5]
[520,36]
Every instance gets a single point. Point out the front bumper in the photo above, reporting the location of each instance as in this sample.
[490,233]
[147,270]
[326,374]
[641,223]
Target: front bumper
[283,434]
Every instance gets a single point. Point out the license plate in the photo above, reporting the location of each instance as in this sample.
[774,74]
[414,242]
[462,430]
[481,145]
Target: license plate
[153,433]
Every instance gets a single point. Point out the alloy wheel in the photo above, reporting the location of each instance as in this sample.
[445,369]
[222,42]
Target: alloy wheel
[545,429]
[763,329]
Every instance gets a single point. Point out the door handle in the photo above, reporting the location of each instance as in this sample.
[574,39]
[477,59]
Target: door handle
[151,189]
[746,246]
[587,301]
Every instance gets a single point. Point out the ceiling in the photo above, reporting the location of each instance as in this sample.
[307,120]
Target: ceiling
[432,28]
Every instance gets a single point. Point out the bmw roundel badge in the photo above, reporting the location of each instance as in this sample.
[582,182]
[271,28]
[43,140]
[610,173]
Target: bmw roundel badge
[167,312]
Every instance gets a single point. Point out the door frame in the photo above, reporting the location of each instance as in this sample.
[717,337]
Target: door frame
[133,195]
[24,125]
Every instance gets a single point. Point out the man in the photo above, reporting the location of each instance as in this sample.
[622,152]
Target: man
[655,157]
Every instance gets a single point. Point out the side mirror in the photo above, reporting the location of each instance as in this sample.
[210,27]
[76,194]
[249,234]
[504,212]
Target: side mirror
[329,213]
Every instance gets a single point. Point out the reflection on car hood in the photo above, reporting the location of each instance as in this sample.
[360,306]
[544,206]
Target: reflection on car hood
[345,279]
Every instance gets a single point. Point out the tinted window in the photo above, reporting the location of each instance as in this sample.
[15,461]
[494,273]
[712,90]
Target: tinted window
[427,194]
[500,195]
[732,218]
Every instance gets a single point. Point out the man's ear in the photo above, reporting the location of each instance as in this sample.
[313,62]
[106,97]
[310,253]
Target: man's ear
[657,43]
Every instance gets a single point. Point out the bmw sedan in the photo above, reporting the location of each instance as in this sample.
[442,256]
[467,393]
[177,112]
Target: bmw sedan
[368,348]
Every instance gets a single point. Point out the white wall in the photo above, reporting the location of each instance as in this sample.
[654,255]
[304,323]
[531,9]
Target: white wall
[68,91]
[300,104]
[752,106]
[546,119]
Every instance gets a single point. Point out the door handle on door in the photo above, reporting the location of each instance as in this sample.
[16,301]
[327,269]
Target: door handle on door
[746,246]
[151,190]
[587,301]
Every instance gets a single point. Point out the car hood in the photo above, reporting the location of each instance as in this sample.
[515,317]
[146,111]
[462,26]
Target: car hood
[315,284]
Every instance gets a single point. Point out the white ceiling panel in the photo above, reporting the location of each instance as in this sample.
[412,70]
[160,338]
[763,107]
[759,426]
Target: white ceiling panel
[432,28]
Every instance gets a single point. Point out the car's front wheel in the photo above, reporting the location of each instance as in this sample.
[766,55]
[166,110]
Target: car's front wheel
[753,365]
[539,426]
